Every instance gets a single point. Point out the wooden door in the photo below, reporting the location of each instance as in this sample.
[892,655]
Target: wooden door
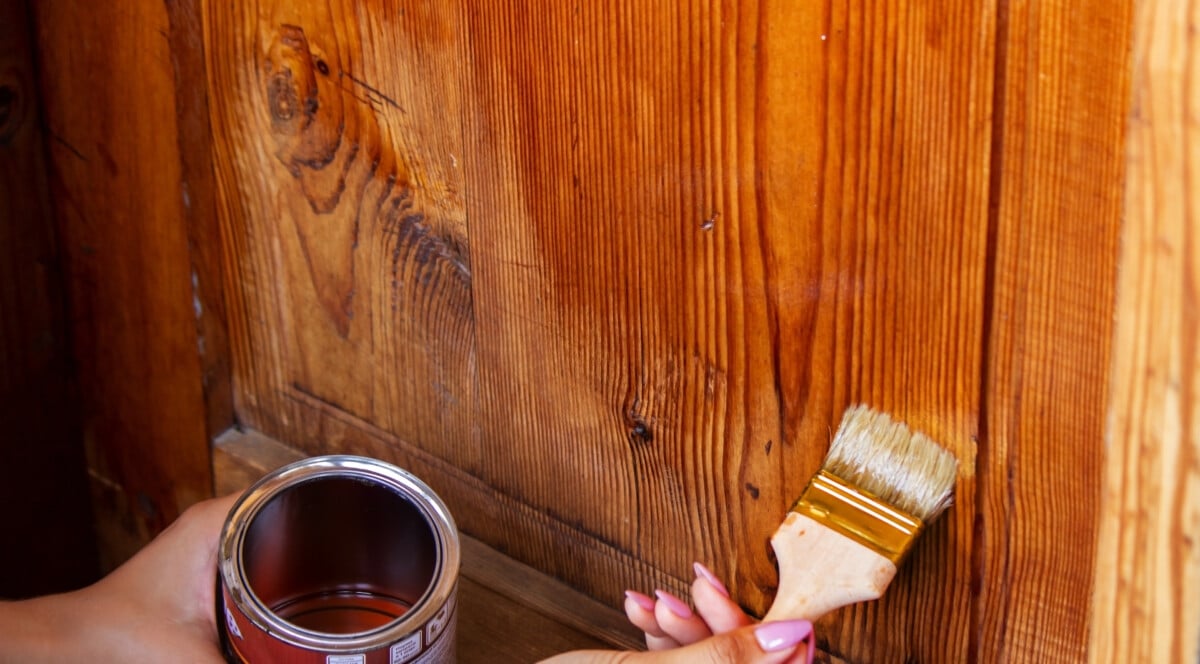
[606,275]
[49,544]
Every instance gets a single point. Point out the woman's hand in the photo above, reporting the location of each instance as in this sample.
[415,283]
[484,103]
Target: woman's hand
[668,622]
[157,607]
[717,632]
[766,643]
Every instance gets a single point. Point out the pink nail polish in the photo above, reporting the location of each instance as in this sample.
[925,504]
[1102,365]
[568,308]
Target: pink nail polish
[674,604]
[707,575]
[776,636]
[641,600]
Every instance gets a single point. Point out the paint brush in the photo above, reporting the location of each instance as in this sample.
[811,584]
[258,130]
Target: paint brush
[859,515]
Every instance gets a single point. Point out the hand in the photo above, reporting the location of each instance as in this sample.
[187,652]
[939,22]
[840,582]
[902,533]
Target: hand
[157,607]
[670,623]
[766,643]
[718,631]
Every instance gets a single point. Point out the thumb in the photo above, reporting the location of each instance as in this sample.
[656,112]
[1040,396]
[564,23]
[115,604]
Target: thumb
[766,643]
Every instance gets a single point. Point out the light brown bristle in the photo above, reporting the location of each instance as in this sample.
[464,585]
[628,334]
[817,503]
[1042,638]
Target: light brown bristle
[884,458]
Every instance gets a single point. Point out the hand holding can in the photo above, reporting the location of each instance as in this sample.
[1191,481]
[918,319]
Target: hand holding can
[339,560]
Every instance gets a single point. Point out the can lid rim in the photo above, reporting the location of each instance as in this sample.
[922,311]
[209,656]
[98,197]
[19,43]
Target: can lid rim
[232,573]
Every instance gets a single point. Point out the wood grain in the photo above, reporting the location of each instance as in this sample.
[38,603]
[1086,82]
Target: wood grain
[199,216]
[44,505]
[1146,599]
[495,628]
[606,275]
[1057,195]
[116,176]
[895,314]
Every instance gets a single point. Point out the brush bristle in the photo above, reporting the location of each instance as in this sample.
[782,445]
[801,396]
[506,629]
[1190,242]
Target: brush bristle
[902,467]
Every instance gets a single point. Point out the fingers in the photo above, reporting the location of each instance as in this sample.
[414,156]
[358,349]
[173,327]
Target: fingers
[202,522]
[713,603]
[207,517]
[768,643]
[668,622]
[640,610]
[678,620]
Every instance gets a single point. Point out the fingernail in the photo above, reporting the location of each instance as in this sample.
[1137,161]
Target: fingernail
[707,575]
[776,636]
[676,605]
[641,600]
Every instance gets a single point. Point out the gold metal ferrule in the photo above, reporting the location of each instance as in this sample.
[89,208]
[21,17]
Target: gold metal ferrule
[859,516]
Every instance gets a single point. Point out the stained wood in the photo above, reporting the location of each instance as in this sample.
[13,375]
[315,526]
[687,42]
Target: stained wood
[608,274]
[537,593]
[43,492]
[116,176]
[198,213]
[494,628]
[882,285]
[1063,94]
[1146,599]
[240,458]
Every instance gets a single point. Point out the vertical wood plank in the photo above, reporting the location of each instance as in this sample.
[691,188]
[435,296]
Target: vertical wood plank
[49,546]
[899,319]
[348,271]
[199,215]
[1146,595]
[1058,191]
[109,89]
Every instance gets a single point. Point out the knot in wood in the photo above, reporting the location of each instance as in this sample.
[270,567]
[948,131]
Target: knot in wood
[639,431]
[282,96]
[292,85]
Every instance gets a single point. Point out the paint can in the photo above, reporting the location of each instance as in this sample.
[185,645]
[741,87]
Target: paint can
[339,560]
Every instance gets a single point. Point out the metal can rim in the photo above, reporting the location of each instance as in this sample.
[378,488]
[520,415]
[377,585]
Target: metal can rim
[404,483]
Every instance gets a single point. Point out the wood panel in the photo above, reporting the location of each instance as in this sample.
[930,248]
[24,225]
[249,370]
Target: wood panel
[606,275]
[1059,163]
[899,321]
[1146,598]
[108,77]
[44,506]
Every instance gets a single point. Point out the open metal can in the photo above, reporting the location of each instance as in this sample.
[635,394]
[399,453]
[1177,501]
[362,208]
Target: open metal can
[339,560]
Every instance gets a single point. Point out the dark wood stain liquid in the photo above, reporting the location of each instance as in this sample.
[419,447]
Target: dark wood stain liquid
[342,612]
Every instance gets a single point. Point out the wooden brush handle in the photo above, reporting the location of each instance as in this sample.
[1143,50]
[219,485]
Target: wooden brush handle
[821,570]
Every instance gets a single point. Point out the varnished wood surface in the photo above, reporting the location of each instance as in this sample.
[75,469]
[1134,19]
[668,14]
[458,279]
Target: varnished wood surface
[605,275]
[44,507]
[1059,157]
[116,180]
[1147,582]
[508,612]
